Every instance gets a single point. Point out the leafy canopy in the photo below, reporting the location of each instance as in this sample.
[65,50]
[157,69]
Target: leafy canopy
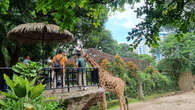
[179,56]
[157,14]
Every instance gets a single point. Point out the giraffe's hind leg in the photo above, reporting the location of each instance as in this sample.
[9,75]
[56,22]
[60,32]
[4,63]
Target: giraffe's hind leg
[121,100]
[104,103]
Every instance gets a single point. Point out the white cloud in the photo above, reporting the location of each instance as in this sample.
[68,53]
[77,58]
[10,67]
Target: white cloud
[127,18]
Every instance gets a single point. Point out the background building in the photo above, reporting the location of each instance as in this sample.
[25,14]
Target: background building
[144,49]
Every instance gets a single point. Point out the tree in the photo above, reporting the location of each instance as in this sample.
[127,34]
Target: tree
[67,12]
[182,52]
[176,14]
[4,6]
[147,58]
[119,67]
[102,41]
[123,51]
[132,68]
[19,12]
[15,12]
[179,58]
[104,63]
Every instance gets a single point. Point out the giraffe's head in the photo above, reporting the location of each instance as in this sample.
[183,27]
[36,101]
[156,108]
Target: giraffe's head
[83,52]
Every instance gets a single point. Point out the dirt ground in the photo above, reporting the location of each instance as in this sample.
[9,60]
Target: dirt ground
[183,101]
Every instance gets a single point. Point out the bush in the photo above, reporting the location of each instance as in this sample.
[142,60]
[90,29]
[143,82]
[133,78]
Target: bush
[151,70]
[151,83]
[132,68]
[24,95]
[30,72]
[163,66]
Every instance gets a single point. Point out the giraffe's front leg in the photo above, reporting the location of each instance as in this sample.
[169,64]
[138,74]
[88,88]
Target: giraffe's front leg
[122,101]
[104,103]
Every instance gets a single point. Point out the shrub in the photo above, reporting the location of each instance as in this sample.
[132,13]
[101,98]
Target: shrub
[151,70]
[151,83]
[30,72]
[132,68]
[163,65]
[119,67]
[24,95]
[104,63]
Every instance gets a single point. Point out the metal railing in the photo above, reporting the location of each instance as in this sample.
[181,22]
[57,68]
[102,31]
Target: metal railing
[60,78]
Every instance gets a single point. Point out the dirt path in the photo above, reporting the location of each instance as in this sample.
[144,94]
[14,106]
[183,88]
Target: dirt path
[184,101]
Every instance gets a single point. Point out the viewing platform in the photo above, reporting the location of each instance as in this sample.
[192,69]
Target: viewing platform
[71,94]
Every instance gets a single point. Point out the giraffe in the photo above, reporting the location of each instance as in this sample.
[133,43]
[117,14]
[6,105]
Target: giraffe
[108,82]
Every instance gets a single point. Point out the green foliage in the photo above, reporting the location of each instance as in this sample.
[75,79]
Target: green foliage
[24,94]
[68,13]
[163,14]
[152,80]
[151,70]
[119,67]
[21,87]
[152,83]
[6,56]
[147,58]
[103,41]
[30,72]
[19,12]
[4,4]
[179,56]
[124,51]
[163,66]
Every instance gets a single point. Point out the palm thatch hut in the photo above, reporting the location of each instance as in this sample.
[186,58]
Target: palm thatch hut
[37,32]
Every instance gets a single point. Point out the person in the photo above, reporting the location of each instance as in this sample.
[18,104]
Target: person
[27,60]
[58,64]
[81,64]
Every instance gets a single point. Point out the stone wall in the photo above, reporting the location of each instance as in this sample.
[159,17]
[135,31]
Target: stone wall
[79,100]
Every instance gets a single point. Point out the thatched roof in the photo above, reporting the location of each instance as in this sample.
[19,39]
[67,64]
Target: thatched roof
[33,32]
[99,55]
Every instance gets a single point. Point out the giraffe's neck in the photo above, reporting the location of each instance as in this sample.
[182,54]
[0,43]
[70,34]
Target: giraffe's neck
[92,61]
[102,72]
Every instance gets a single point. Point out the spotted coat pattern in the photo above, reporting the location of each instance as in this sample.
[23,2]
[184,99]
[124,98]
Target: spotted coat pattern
[109,83]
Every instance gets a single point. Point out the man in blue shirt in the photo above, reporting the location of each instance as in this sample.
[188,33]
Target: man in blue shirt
[81,64]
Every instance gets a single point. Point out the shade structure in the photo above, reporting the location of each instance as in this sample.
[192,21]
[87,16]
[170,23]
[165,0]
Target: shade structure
[37,32]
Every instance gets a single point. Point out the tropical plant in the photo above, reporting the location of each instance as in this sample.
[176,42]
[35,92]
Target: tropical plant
[21,87]
[30,71]
[24,95]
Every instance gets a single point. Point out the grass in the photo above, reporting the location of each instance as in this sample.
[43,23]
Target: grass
[146,98]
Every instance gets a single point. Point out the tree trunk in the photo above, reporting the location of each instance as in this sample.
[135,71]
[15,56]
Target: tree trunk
[140,90]
[15,55]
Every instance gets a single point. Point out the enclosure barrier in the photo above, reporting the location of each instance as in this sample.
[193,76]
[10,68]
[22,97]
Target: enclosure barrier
[70,77]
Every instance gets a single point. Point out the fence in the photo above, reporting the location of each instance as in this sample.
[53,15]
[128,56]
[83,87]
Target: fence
[59,79]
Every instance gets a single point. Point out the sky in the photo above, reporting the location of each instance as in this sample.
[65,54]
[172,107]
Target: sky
[120,23]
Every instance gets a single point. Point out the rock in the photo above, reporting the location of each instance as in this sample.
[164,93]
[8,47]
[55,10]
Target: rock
[78,99]
[185,81]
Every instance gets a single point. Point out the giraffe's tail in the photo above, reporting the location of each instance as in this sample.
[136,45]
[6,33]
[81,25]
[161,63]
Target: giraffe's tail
[126,100]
